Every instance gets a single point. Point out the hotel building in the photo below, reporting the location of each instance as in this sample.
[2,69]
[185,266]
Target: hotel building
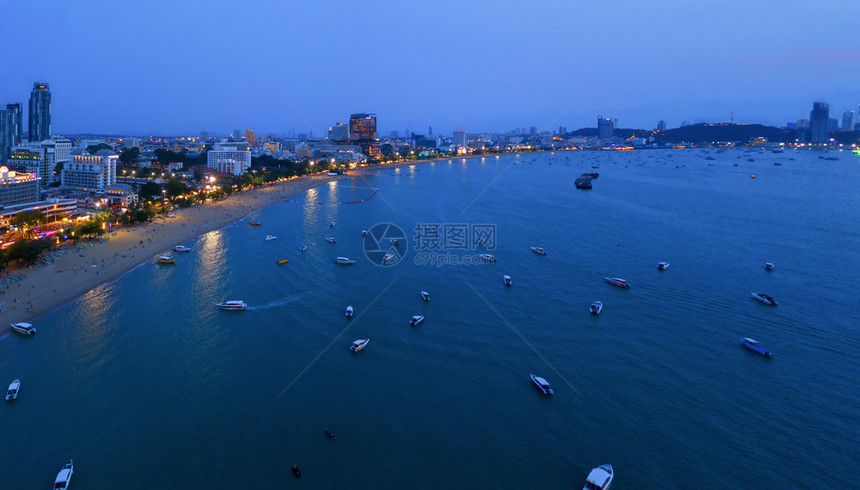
[39,124]
[91,173]
[229,158]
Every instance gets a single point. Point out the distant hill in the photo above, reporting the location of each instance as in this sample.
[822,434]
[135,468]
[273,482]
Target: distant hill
[704,132]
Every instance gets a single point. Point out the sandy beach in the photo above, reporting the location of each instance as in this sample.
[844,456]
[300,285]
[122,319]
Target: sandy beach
[31,291]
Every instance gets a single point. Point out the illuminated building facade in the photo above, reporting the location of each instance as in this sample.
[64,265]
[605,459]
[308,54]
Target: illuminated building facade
[847,120]
[249,136]
[819,123]
[39,124]
[362,132]
[17,187]
[10,129]
[338,132]
[234,159]
[460,139]
[90,172]
[605,128]
[53,209]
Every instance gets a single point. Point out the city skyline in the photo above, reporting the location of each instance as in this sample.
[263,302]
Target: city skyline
[481,68]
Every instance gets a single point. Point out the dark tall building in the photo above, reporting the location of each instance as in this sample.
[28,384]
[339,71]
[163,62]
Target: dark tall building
[819,123]
[362,132]
[10,130]
[605,128]
[661,126]
[39,124]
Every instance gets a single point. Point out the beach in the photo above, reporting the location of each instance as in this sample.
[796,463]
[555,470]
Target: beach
[87,264]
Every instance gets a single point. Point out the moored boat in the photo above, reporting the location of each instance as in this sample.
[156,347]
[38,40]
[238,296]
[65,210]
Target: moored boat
[359,344]
[541,384]
[304,247]
[538,250]
[181,248]
[255,223]
[662,266]
[425,295]
[768,266]
[617,281]
[12,392]
[331,225]
[270,237]
[165,259]
[234,304]
[487,258]
[344,261]
[330,434]
[416,320]
[764,298]
[388,257]
[24,328]
[64,476]
[363,233]
[754,346]
[330,239]
[507,280]
[349,311]
[596,307]
[599,478]
[296,471]
[283,261]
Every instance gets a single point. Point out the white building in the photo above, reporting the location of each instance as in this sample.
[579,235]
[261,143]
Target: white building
[230,158]
[90,172]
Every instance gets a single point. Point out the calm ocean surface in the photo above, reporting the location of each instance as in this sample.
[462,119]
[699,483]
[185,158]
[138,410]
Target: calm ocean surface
[145,384]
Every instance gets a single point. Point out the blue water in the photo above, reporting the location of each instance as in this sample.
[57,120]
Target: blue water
[147,385]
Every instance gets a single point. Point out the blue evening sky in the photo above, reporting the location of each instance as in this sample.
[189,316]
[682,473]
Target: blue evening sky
[182,66]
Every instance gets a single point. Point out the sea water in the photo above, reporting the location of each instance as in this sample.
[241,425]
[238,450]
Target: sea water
[146,384]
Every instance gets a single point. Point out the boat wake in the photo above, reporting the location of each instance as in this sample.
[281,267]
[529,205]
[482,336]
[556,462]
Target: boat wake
[282,302]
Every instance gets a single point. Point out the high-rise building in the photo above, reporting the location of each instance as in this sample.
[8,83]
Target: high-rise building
[819,122]
[362,132]
[605,128]
[661,126]
[460,139]
[204,136]
[230,158]
[339,132]
[562,130]
[237,135]
[17,187]
[90,172]
[39,124]
[847,120]
[10,129]
[430,130]
[533,131]
[249,136]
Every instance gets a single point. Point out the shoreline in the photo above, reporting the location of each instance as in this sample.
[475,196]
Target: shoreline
[78,268]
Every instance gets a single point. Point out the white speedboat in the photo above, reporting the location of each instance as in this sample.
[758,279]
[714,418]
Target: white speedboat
[232,305]
[541,384]
[64,476]
[488,258]
[416,320]
[764,298]
[181,248]
[24,328]
[425,295]
[165,259]
[270,237]
[304,247]
[388,257]
[363,233]
[359,344]
[506,279]
[662,266]
[331,225]
[538,250]
[768,266]
[330,239]
[349,311]
[12,392]
[599,479]
[617,281]
[344,261]
[596,307]
[394,242]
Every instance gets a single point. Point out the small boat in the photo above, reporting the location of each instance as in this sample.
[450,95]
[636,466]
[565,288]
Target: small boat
[416,320]
[349,311]
[269,237]
[617,281]
[330,239]
[388,257]
[181,248]
[232,305]
[363,233]
[359,344]
[344,261]
[255,223]
[596,308]
[304,247]
[538,250]
[12,392]
[24,328]
[432,229]
[394,242]
[296,471]
[425,295]
[662,266]
[764,298]
[599,479]
[487,258]
[506,279]
[164,259]
[330,434]
[331,225]
[283,261]
[541,384]
[64,476]
[754,346]
[768,266]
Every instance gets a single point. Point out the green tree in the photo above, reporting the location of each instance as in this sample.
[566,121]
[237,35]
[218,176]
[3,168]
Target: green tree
[89,228]
[28,219]
[27,251]
[93,149]
[148,190]
[129,156]
[175,188]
